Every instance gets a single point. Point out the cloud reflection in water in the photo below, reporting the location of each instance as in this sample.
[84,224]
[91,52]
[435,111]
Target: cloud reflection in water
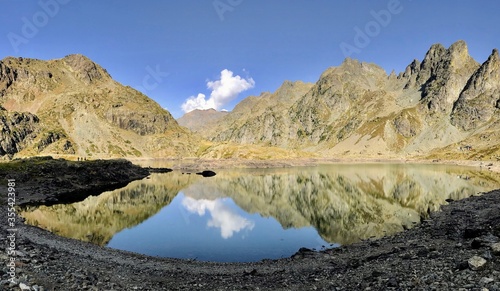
[222,216]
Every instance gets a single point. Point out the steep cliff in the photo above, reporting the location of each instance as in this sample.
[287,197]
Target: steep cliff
[479,101]
[16,131]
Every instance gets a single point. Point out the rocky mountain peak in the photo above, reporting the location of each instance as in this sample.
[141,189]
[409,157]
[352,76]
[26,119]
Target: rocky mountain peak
[354,66]
[495,54]
[459,47]
[486,77]
[431,60]
[459,56]
[435,52]
[85,69]
[442,76]
[411,73]
[348,62]
[412,68]
[494,57]
[288,90]
[350,75]
[480,98]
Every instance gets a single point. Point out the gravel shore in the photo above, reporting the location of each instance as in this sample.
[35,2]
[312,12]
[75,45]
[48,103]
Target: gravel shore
[457,248]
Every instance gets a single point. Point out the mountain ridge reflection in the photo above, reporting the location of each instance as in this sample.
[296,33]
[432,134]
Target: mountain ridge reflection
[344,203]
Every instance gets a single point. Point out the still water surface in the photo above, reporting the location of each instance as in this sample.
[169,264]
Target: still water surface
[244,215]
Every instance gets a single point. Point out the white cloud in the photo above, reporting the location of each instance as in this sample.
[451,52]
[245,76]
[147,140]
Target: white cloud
[222,216]
[198,102]
[223,91]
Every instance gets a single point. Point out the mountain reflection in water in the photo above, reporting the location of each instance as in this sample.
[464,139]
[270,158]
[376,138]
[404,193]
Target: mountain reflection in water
[251,210]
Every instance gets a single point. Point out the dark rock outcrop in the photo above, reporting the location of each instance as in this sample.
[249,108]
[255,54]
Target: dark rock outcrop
[7,76]
[16,130]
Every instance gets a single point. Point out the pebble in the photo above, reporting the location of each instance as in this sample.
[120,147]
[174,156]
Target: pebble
[476,263]
[495,248]
[486,280]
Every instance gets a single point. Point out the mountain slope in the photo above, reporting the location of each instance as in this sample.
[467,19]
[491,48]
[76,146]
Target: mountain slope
[260,119]
[81,110]
[447,101]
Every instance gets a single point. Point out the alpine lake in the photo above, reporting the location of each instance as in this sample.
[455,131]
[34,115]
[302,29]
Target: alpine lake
[246,215]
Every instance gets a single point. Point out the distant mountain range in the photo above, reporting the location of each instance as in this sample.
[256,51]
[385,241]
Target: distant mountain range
[447,106]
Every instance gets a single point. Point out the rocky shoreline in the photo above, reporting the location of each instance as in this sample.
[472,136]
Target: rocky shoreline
[48,181]
[455,249]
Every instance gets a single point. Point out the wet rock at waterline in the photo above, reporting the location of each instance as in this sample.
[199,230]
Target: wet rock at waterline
[206,173]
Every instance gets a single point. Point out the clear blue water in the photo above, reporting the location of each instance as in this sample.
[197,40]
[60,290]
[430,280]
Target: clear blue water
[214,230]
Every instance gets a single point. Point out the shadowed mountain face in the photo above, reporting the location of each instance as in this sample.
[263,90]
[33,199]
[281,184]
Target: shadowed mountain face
[16,130]
[442,104]
[344,203]
[72,106]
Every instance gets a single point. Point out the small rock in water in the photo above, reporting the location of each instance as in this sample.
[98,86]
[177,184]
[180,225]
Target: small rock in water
[206,173]
[24,286]
[476,263]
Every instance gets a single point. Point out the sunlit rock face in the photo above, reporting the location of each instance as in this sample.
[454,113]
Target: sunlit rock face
[479,101]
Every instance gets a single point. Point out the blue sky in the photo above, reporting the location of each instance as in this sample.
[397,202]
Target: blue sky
[171,50]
